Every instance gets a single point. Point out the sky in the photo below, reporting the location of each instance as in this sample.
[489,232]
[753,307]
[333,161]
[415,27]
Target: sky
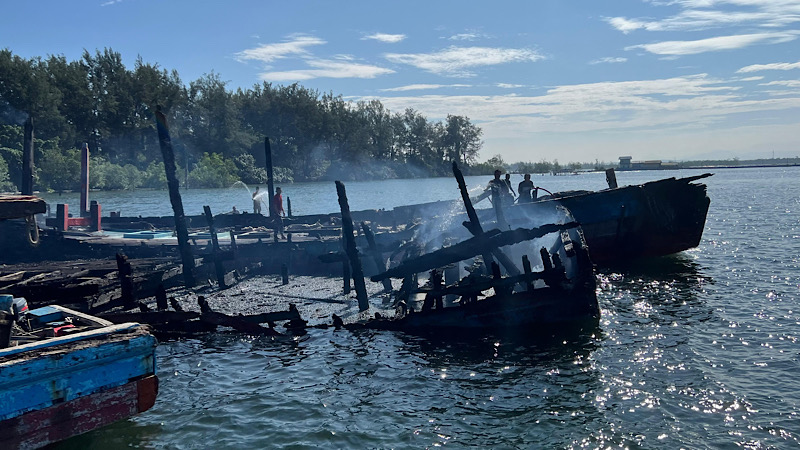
[574,81]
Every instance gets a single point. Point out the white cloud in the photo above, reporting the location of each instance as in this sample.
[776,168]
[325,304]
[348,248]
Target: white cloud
[751,79]
[680,48]
[509,86]
[384,37]
[609,60]
[773,66]
[419,87]
[268,53]
[457,61]
[787,83]
[322,68]
[708,14]
[683,102]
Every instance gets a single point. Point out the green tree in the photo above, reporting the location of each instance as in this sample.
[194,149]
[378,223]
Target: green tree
[213,171]
[57,170]
[5,182]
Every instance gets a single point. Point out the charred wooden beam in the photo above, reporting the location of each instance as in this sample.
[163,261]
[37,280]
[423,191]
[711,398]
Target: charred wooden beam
[469,248]
[474,224]
[380,265]
[350,248]
[175,198]
[484,283]
[26,187]
[125,280]
[220,269]
[270,180]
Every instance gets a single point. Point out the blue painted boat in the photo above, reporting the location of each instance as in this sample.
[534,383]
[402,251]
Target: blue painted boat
[65,373]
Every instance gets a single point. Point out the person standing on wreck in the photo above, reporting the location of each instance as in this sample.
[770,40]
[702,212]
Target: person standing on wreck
[508,183]
[498,186]
[256,201]
[526,189]
[277,208]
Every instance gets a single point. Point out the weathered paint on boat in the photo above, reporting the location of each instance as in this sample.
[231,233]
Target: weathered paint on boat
[60,387]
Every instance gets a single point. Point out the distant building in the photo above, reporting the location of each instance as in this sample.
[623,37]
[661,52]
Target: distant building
[627,163]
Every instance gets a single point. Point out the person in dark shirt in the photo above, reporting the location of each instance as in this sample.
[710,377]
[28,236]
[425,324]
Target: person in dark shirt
[527,191]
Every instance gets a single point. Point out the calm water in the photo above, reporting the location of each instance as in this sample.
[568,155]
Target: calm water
[699,350]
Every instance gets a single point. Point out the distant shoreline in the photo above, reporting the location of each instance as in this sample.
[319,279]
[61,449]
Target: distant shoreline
[738,166]
[741,166]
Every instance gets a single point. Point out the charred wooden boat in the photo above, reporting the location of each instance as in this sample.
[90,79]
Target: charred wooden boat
[64,373]
[562,291]
[632,222]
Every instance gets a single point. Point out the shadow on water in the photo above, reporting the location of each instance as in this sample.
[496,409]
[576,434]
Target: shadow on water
[544,344]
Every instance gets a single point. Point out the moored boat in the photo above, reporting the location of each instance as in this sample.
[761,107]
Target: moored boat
[65,373]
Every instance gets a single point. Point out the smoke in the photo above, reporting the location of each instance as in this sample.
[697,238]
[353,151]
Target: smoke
[11,115]
[442,227]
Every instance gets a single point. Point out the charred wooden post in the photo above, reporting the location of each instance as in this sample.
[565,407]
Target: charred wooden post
[125,280]
[611,178]
[376,255]
[218,267]
[289,207]
[289,237]
[95,216]
[270,180]
[474,225]
[26,187]
[436,283]
[161,298]
[84,179]
[526,266]
[234,248]
[175,198]
[62,216]
[346,276]
[351,250]
[546,262]
[285,274]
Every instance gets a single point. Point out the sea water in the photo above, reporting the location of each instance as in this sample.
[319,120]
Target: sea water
[696,350]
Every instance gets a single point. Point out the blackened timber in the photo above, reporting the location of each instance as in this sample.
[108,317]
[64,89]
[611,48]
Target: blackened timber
[380,266]
[474,225]
[125,280]
[270,181]
[165,143]
[486,283]
[526,266]
[469,248]
[220,269]
[26,187]
[350,248]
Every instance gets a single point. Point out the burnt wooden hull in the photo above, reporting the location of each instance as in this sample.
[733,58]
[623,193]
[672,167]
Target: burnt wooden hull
[627,223]
[523,311]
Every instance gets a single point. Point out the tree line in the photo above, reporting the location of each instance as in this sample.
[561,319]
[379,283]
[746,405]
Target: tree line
[217,133]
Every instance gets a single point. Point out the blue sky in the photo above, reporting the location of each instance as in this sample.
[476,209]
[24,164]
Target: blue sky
[569,80]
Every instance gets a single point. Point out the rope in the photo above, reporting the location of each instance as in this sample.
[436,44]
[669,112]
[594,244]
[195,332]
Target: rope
[33,230]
